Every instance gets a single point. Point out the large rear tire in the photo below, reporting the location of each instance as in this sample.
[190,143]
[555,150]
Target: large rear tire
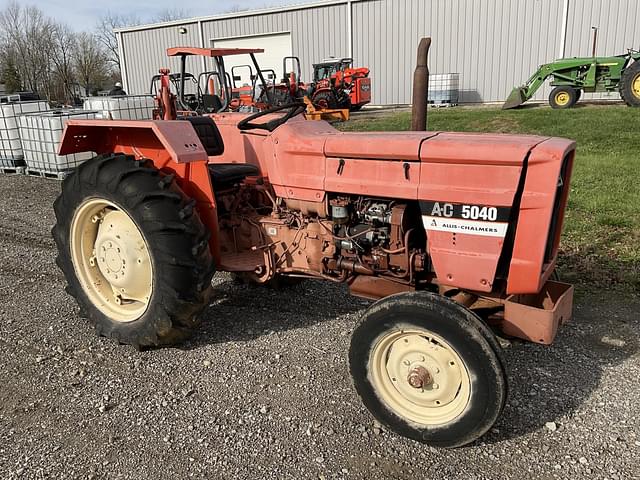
[428,368]
[133,251]
[630,85]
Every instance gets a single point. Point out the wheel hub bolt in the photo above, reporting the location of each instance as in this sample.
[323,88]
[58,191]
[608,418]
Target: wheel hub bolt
[419,377]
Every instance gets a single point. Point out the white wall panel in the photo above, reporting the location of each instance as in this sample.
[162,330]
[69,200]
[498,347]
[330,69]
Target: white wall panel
[493,44]
[146,52]
[316,33]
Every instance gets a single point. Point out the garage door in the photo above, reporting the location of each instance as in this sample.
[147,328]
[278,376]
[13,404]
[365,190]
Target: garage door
[276,47]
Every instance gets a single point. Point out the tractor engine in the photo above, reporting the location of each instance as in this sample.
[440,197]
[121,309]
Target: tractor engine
[375,236]
[336,239]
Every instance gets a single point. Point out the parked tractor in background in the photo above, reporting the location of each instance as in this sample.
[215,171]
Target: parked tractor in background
[215,92]
[572,76]
[289,89]
[451,234]
[315,99]
[243,92]
[338,85]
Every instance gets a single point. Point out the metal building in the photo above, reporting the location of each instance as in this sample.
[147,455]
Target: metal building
[493,44]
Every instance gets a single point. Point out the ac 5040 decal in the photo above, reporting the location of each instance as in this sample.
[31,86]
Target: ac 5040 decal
[469,219]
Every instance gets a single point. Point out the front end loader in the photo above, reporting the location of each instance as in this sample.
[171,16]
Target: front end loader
[451,235]
[572,76]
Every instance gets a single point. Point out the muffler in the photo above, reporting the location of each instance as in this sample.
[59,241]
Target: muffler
[421,87]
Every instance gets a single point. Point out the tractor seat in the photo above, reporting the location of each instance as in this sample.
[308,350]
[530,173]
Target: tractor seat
[208,134]
[211,103]
[226,174]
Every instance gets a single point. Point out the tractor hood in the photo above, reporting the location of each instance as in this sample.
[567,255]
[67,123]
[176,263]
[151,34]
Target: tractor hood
[436,147]
[378,145]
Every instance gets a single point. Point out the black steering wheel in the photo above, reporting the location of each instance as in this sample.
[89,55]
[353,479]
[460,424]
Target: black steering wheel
[293,110]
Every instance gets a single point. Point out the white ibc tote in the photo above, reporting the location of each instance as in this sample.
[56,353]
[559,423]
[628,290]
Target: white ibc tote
[41,133]
[444,88]
[10,146]
[129,107]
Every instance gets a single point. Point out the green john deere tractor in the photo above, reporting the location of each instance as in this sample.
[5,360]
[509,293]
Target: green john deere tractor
[572,76]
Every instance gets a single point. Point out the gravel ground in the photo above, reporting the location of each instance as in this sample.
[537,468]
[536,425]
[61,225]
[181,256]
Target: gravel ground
[263,389]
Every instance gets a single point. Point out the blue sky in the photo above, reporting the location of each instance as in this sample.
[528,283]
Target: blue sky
[83,14]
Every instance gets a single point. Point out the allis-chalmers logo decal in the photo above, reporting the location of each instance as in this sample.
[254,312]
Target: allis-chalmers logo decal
[463,218]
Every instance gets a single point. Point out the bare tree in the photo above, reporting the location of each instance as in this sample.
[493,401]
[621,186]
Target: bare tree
[106,37]
[171,14]
[235,9]
[89,62]
[62,51]
[27,33]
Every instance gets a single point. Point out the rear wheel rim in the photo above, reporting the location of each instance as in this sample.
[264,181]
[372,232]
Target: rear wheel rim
[562,98]
[419,376]
[635,86]
[111,260]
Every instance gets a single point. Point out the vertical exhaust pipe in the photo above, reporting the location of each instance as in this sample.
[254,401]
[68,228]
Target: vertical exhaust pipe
[420,87]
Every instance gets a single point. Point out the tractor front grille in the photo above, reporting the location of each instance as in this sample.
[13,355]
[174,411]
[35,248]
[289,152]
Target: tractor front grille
[559,205]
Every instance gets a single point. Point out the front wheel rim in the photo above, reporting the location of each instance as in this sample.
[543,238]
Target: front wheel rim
[111,260]
[419,376]
[562,98]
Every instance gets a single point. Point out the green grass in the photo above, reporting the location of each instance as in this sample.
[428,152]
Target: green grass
[601,242]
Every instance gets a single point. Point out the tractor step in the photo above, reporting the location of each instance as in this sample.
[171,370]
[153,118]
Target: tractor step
[242,262]
[60,175]
[12,170]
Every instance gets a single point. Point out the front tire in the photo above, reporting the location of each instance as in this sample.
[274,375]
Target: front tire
[563,97]
[428,369]
[133,251]
[325,100]
[630,85]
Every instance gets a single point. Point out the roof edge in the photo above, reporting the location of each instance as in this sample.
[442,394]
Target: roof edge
[244,13]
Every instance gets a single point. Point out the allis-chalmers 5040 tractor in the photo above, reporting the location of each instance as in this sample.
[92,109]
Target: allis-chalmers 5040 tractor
[454,235]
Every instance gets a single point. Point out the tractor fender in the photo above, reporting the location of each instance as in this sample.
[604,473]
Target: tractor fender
[173,147]
[156,138]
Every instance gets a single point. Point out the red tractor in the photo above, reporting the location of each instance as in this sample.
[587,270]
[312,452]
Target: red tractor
[261,96]
[451,234]
[339,85]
